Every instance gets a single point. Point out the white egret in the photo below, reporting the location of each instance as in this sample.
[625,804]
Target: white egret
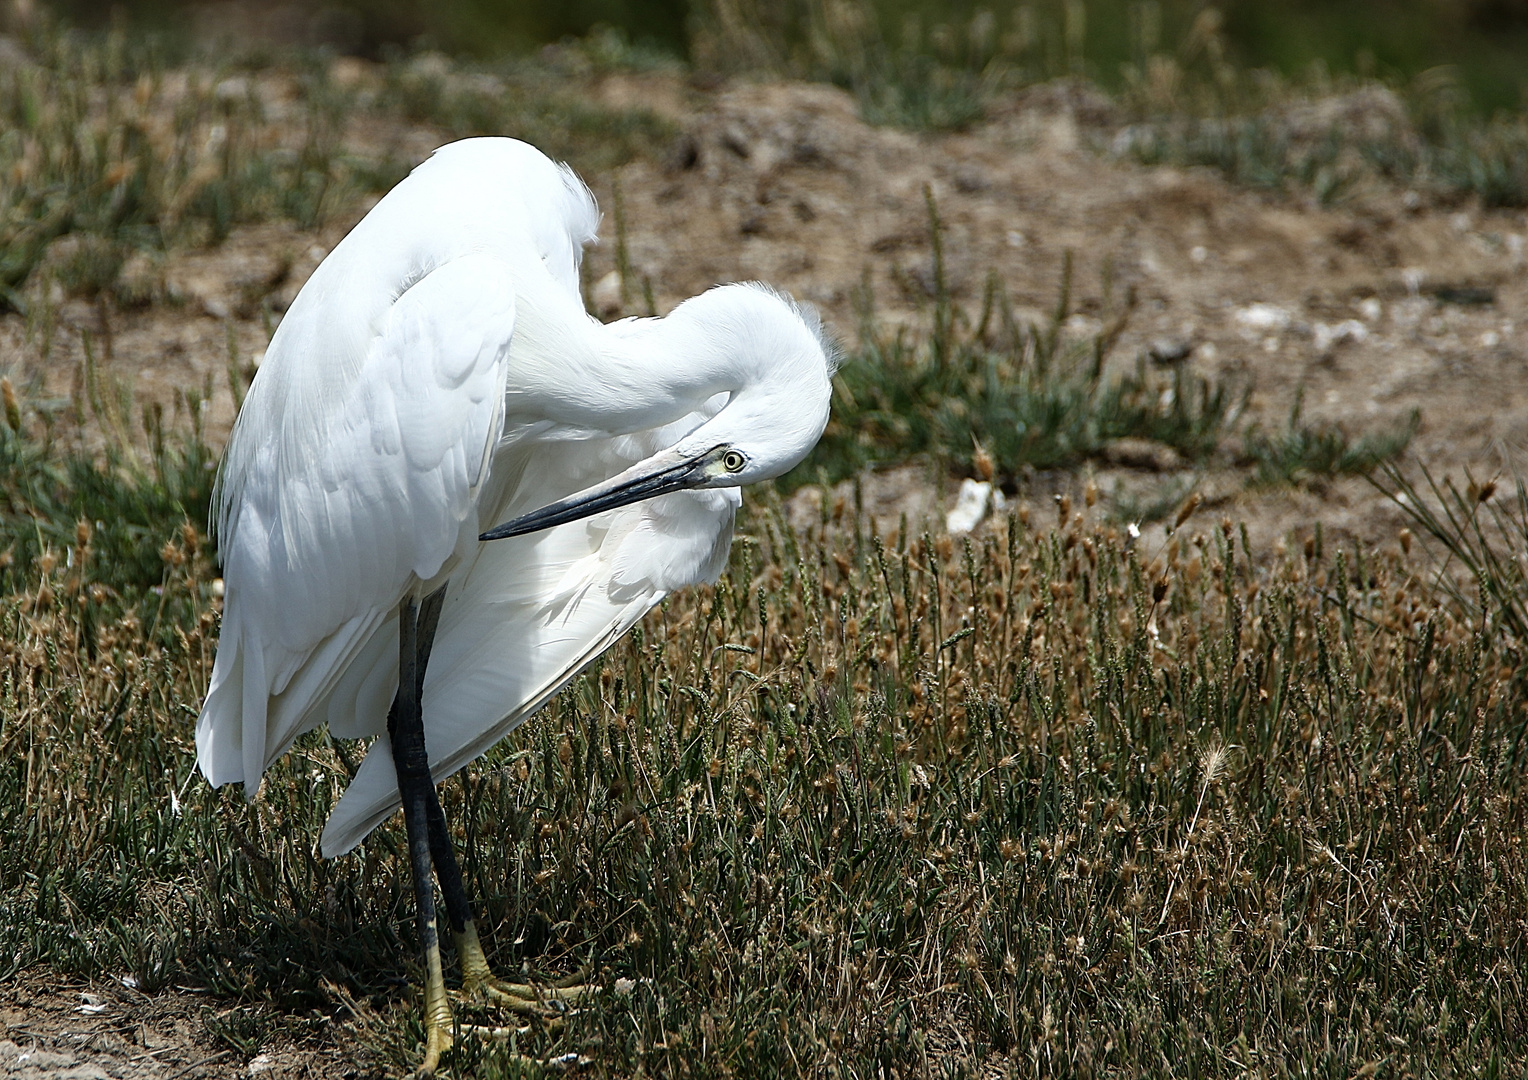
[450,488]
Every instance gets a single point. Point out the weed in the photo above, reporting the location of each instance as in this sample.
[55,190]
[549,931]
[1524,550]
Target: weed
[1193,105]
[1303,453]
[939,77]
[1481,529]
[108,148]
[1036,396]
[1325,138]
[118,519]
[513,98]
[107,152]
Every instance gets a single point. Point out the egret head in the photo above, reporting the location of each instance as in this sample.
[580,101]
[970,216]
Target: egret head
[772,359]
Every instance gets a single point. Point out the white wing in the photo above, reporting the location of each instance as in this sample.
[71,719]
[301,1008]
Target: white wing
[527,613]
[333,516]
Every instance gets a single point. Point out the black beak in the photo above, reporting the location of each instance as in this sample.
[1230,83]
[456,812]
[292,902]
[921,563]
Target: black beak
[660,474]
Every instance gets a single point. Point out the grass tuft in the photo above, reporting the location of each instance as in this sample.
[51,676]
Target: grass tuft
[1304,453]
[1482,530]
[116,519]
[1034,394]
[523,99]
[113,157]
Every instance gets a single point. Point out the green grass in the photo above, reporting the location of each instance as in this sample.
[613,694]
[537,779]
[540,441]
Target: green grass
[1448,156]
[111,148]
[993,394]
[1306,453]
[1019,394]
[1478,534]
[120,508]
[1196,93]
[532,100]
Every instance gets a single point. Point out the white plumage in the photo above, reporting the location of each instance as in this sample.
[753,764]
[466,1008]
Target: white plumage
[436,376]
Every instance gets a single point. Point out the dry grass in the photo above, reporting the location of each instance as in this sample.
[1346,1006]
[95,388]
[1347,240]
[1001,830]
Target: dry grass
[872,805]
[114,155]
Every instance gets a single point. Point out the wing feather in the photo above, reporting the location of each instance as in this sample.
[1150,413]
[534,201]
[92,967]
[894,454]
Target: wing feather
[337,519]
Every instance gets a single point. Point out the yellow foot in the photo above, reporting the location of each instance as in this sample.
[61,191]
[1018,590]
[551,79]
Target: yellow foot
[549,1002]
[437,1042]
[437,1015]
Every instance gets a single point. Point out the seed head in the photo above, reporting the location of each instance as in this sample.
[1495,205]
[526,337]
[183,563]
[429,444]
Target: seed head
[1211,762]
[1186,511]
[981,461]
[12,407]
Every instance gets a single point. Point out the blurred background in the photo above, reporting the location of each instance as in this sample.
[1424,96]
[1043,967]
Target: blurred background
[1484,41]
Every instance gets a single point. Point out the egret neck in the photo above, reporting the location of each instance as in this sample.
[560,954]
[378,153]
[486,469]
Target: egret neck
[760,351]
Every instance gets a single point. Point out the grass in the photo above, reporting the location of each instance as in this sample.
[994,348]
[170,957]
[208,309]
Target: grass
[1478,534]
[1189,102]
[1039,800]
[530,100]
[1303,453]
[120,507]
[1005,393]
[872,805]
[111,150]
[113,156]
[1271,135]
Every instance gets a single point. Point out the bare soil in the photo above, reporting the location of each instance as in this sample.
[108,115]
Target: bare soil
[783,183]
[111,1031]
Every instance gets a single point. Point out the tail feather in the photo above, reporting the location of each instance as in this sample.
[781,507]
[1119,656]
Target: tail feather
[219,728]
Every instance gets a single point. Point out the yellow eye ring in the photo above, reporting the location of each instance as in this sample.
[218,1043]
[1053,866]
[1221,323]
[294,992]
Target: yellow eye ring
[733,461]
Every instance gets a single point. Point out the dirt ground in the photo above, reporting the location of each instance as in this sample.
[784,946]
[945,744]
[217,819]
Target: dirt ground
[783,183]
[112,1031]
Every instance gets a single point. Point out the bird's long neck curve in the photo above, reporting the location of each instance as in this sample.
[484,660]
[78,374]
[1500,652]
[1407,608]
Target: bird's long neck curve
[622,377]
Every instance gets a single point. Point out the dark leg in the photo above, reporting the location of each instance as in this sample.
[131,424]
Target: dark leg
[405,730]
[442,851]
[430,845]
[458,908]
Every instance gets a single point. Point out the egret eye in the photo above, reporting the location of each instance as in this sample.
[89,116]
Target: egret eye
[733,461]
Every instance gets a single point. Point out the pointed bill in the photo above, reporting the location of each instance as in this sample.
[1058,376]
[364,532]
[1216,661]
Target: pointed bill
[666,471]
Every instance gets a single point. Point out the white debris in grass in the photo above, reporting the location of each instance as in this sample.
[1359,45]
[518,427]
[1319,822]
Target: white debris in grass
[971,506]
[1261,318]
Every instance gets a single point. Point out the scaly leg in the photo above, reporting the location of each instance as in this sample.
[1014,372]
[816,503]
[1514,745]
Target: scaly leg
[405,730]
[430,845]
[478,981]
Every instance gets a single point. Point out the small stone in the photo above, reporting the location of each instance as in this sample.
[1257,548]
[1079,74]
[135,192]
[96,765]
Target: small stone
[1169,351]
[1142,454]
[1263,317]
